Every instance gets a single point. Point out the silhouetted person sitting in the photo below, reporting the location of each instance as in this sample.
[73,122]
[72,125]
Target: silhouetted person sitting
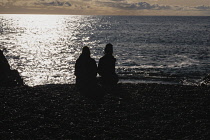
[8,77]
[106,67]
[85,71]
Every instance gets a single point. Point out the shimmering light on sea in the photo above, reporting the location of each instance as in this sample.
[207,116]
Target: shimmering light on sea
[44,48]
[40,47]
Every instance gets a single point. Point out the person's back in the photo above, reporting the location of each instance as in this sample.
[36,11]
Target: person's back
[85,70]
[106,67]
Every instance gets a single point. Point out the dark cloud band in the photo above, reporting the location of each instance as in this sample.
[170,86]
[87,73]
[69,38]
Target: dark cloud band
[53,3]
[135,6]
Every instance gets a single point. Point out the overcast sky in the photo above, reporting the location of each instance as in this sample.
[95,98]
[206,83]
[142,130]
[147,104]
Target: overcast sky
[107,7]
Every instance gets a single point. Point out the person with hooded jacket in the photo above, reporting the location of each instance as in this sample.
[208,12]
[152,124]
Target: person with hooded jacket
[85,71]
[106,67]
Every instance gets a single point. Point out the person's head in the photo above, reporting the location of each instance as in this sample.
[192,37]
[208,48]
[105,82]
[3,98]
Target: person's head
[108,49]
[85,51]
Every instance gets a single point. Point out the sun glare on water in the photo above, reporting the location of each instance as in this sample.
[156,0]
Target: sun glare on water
[40,47]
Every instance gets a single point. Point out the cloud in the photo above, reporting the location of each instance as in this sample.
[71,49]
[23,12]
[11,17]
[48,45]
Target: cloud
[135,6]
[18,3]
[112,7]
[122,4]
[117,0]
[145,5]
[35,3]
[202,8]
[52,3]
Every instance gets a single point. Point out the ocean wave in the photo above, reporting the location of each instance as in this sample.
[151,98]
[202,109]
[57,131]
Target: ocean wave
[147,48]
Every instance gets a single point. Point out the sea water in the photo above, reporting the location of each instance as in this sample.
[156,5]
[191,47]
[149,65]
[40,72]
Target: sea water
[149,49]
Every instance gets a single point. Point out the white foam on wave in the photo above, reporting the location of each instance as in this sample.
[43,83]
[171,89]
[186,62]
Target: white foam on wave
[180,61]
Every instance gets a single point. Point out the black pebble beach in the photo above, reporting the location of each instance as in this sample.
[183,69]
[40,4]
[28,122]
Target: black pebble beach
[130,111]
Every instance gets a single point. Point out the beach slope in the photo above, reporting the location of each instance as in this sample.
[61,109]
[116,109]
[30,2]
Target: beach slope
[142,111]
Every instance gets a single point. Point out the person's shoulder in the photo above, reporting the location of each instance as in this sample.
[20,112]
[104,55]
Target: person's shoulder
[112,57]
[92,60]
[102,58]
[78,60]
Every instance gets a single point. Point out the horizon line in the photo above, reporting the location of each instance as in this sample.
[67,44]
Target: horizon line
[108,15]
